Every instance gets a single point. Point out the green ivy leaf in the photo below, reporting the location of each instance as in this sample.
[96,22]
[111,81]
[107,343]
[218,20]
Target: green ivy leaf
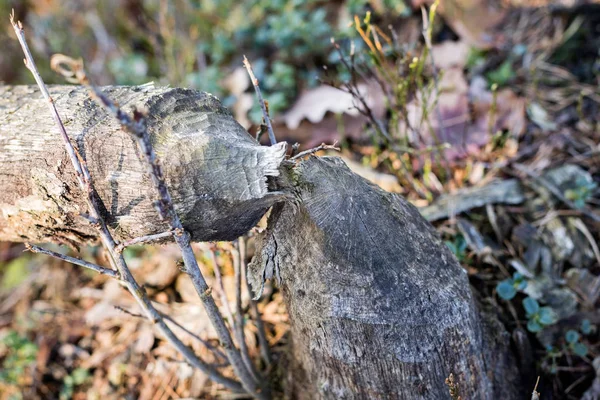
[531,306]
[533,326]
[547,316]
[586,327]
[506,289]
[580,349]
[572,336]
[501,75]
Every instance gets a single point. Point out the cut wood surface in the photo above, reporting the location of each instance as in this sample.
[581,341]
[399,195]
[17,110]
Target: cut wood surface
[216,172]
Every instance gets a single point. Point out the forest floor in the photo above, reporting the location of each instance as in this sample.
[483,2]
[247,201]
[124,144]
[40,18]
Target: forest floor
[487,118]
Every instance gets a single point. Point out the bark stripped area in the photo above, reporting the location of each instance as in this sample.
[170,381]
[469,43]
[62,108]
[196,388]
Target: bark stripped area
[216,172]
[379,306]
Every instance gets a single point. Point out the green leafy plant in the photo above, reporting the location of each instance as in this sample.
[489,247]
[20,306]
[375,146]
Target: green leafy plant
[587,327]
[508,288]
[538,317]
[20,357]
[76,378]
[572,337]
[551,359]
[582,192]
[573,345]
[501,75]
[458,246]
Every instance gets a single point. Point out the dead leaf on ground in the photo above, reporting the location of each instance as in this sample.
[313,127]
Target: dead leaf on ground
[450,54]
[474,20]
[454,116]
[503,111]
[387,182]
[331,128]
[314,104]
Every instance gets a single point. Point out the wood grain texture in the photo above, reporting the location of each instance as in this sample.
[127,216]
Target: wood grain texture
[379,306]
[216,172]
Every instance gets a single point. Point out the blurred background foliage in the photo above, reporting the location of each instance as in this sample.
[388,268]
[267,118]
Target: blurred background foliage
[191,43]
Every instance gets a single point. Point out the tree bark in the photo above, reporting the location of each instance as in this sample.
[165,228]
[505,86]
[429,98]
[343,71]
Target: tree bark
[379,306]
[216,172]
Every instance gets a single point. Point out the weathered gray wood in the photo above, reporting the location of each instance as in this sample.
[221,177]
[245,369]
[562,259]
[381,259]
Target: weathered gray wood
[507,191]
[379,306]
[216,172]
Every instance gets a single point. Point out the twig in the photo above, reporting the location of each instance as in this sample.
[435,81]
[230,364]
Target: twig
[239,312]
[263,343]
[143,239]
[221,287]
[137,127]
[320,147]
[365,110]
[536,395]
[429,46]
[216,352]
[94,267]
[261,101]
[116,260]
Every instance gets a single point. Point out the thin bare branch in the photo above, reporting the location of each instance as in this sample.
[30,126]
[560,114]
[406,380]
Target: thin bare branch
[263,105]
[314,150]
[116,259]
[143,239]
[218,353]
[239,312]
[220,287]
[73,260]
[215,350]
[30,64]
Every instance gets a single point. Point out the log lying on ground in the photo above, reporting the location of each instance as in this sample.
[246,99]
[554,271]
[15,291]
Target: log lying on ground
[379,306]
[216,172]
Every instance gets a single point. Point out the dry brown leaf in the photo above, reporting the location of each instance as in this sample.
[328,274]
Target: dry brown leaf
[450,54]
[453,106]
[314,104]
[509,111]
[470,115]
[385,181]
[145,340]
[474,20]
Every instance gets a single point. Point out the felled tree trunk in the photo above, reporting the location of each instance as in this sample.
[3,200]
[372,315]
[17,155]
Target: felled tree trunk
[379,306]
[217,174]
